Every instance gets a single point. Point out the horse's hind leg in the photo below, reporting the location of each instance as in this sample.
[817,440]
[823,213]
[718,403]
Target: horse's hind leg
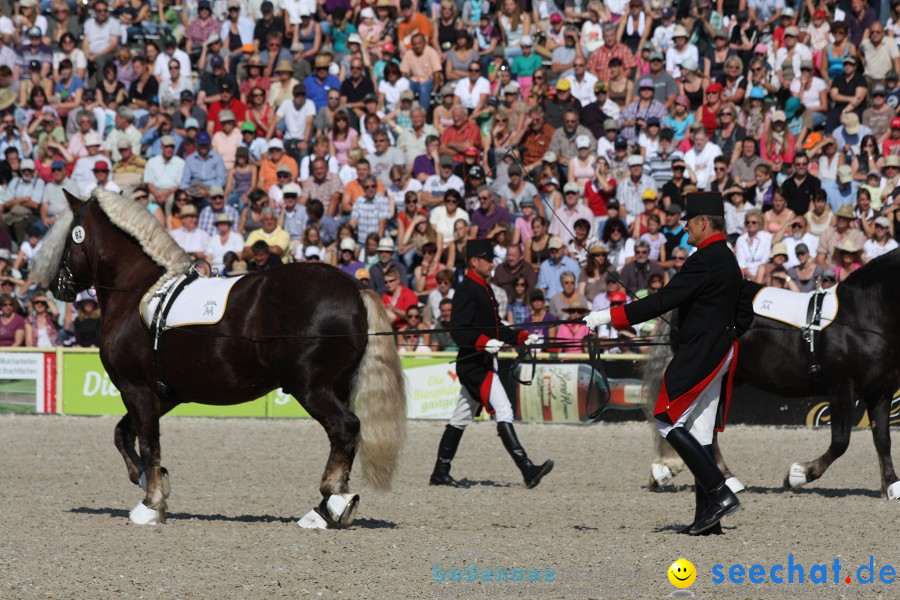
[841,403]
[152,509]
[125,437]
[879,411]
[331,408]
[730,480]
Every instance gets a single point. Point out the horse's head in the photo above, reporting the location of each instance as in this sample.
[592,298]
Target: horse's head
[62,263]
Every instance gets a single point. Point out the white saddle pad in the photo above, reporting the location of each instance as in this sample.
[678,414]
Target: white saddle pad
[792,307]
[201,302]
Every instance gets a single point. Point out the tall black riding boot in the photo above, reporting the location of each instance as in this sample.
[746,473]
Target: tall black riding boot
[531,472]
[700,504]
[720,500]
[446,452]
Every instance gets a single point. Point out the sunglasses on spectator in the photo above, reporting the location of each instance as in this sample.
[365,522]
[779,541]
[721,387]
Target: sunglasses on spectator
[751,222]
[413,316]
[390,280]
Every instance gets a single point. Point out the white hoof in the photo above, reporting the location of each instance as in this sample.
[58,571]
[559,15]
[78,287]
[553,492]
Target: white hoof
[142,515]
[342,508]
[143,481]
[313,520]
[734,484]
[893,491]
[661,474]
[797,476]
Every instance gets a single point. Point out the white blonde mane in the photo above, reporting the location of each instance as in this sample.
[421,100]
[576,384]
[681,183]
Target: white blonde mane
[132,218]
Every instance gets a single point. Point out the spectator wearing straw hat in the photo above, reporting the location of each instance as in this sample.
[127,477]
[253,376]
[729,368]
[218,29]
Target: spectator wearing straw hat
[189,236]
[827,254]
[223,240]
[570,335]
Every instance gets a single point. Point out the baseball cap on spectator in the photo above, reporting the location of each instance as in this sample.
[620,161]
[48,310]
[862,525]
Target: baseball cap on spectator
[100,165]
[367,13]
[248,127]
[191,123]
[618,297]
[167,140]
[34,31]
[471,151]
[649,195]
[612,204]
[282,168]
[512,87]
[276,144]
[169,40]
[667,134]
[57,164]
[217,62]
[829,274]
[284,66]
[679,31]
[756,93]
[226,86]
[720,33]
[216,190]
[845,175]
[407,95]
[354,38]
[555,243]
[895,123]
[214,39]
[806,64]
[28,164]
[635,160]
[715,87]
[697,126]
[205,4]
[656,55]
[683,100]
[801,248]
[668,13]
[761,49]
[690,65]
[348,244]
[849,60]
[514,170]
[362,274]
[563,85]
[34,65]
[789,12]
[385,244]
[556,18]
[673,209]
[225,116]
[312,252]
[892,160]
[370,97]
[476,172]
[527,202]
[850,121]
[388,47]
[551,181]
[791,31]
[582,141]
[599,87]
[536,295]
[187,95]
[819,14]
[792,107]
[645,83]
[653,122]
[878,90]
[777,249]
[882,221]
[203,138]
[550,157]
[779,117]
[446,161]
[620,143]
[91,139]
[611,125]
[571,187]
[123,143]
[223,217]
[526,40]
[849,245]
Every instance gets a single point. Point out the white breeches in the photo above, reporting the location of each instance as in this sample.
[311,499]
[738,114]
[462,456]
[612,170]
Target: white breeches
[700,417]
[468,406]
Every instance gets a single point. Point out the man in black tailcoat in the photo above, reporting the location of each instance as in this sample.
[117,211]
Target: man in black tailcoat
[477,330]
[713,311]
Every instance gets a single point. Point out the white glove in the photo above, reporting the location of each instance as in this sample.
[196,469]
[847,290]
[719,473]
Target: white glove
[597,318]
[534,338]
[493,346]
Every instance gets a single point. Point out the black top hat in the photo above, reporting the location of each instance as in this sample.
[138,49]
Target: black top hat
[480,249]
[708,204]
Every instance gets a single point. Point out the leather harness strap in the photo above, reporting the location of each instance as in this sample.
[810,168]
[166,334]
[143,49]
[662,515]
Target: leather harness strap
[812,334]
[158,325]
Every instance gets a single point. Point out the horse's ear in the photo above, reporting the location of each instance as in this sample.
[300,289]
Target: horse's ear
[73,200]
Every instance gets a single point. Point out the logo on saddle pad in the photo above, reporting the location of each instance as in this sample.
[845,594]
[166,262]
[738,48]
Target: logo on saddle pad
[201,302]
[793,308]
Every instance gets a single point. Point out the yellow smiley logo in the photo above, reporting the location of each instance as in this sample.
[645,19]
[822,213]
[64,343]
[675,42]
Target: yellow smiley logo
[682,573]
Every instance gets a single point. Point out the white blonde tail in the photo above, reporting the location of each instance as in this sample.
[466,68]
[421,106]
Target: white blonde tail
[379,397]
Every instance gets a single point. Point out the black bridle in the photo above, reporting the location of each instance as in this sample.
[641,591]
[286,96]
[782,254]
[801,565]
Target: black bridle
[66,288]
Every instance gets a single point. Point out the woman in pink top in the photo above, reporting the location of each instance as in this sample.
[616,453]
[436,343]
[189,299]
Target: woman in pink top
[570,336]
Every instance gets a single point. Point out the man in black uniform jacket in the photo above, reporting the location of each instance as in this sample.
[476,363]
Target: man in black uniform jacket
[713,311]
[480,335]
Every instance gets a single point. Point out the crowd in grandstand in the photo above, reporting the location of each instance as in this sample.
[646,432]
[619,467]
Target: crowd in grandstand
[380,136]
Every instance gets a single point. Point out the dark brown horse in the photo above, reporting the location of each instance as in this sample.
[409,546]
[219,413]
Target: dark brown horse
[302,328]
[860,358]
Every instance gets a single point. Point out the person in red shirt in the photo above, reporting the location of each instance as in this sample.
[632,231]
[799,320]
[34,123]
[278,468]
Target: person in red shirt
[460,136]
[893,138]
[599,191]
[227,100]
[398,298]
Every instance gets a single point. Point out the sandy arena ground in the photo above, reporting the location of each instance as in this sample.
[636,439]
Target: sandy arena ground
[240,485]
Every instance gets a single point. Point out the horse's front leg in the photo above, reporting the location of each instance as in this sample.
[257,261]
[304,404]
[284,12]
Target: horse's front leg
[841,402]
[152,509]
[332,411]
[879,410]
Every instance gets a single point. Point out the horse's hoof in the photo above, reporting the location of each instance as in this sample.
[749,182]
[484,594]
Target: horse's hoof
[313,520]
[661,474]
[143,515]
[342,508]
[734,484]
[796,476]
[893,491]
